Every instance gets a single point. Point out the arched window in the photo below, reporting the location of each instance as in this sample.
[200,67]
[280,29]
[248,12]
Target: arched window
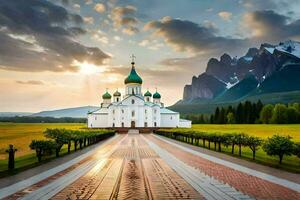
[145,111]
[155,124]
[132,101]
[122,111]
[113,111]
[146,124]
[132,113]
[122,124]
[155,111]
[117,99]
[113,125]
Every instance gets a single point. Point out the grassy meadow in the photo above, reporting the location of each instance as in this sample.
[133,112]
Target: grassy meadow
[21,135]
[259,130]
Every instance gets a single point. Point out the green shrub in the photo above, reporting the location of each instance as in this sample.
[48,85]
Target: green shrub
[297,150]
[63,136]
[59,136]
[279,146]
[43,148]
[253,143]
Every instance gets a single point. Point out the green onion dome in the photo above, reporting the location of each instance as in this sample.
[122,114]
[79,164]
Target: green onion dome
[133,77]
[117,94]
[148,94]
[106,95]
[156,95]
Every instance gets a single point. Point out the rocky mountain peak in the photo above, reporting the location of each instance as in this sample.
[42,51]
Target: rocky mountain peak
[226,59]
[221,75]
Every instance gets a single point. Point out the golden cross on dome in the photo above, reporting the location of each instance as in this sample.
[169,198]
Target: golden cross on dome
[132,57]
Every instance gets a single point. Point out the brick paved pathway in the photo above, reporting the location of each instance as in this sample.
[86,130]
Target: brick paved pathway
[137,166]
[250,185]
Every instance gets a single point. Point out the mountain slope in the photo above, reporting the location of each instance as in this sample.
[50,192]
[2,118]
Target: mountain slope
[284,80]
[204,86]
[79,112]
[210,106]
[239,90]
[13,114]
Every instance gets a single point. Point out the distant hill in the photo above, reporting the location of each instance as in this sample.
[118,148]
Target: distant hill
[13,114]
[208,107]
[78,112]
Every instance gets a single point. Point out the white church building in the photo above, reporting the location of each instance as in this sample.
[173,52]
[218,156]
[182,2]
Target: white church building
[134,109]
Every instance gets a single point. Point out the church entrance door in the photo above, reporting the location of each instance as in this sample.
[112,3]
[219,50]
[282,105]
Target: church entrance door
[132,124]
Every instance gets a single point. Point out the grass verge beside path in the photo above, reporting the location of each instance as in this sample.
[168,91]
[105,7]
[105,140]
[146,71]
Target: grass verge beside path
[21,135]
[290,163]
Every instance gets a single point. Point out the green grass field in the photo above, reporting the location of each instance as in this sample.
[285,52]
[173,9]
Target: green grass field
[260,130]
[21,134]
[290,163]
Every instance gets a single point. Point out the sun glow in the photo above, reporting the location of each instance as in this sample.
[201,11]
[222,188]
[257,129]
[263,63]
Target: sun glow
[88,68]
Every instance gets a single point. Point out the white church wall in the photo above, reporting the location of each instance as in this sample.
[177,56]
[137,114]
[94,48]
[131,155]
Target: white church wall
[148,117]
[137,101]
[98,120]
[169,120]
[156,116]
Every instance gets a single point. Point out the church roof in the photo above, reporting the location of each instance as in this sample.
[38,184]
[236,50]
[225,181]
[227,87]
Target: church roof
[166,111]
[117,94]
[106,95]
[133,77]
[156,95]
[99,111]
[148,94]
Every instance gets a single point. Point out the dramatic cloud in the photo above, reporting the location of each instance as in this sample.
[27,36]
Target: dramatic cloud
[185,35]
[89,20]
[259,4]
[100,8]
[31,82]
[125,18]
[270,26]
[281,5]
[152,45]
[88,2]
[37,35]
[225,15]
[76,6]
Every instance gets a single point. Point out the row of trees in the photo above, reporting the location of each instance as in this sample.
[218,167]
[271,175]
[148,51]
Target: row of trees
[250,113]
[280,114]
[244,113]
[275,146]
[59,137]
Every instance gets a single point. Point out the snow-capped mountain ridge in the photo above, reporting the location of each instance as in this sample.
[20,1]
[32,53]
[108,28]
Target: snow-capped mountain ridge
[229,72]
